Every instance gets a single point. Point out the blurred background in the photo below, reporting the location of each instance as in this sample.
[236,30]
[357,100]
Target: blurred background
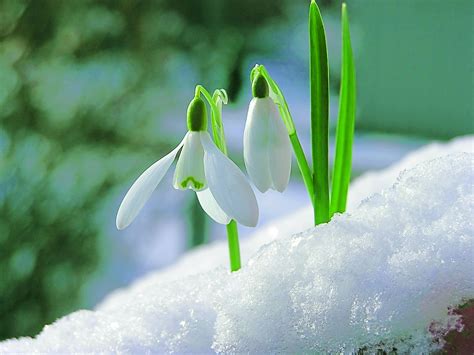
[93,91]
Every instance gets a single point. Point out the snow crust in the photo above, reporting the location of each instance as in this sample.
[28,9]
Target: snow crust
[377,277]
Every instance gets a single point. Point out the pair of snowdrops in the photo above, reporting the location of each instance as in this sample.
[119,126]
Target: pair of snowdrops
[222,189]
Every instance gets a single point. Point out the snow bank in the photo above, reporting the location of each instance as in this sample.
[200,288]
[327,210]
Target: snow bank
[375,181]
[376,277]
[215,255]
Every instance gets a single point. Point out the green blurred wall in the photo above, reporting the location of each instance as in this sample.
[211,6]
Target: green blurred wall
[414,66]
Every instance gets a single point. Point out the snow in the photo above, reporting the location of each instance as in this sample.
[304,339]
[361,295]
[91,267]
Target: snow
[376,277]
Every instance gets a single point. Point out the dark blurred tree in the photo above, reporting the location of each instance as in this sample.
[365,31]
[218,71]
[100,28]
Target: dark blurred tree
[84,85]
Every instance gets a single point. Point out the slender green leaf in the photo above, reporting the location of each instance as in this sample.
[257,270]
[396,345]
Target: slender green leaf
[345,123]
[319,92]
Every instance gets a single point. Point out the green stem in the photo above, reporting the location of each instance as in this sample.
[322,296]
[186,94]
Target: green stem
[215,102]
[280,100]
[234,248]
[216,119]
[345,123]
[319,92]
[303,165]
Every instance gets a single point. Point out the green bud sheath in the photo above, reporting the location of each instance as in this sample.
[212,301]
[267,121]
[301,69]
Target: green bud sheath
[197,115]
[260,87]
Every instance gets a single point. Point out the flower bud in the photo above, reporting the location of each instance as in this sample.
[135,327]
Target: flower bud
[260,87]
[197,115]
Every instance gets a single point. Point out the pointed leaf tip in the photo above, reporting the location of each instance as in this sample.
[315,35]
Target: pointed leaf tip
[344,10]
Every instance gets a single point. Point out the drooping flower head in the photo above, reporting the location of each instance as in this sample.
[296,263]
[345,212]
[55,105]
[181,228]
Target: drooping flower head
[222,189]
[267,148]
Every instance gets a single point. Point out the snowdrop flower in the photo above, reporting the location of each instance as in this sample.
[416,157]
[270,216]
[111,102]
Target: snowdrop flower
[222,189]
[267,148]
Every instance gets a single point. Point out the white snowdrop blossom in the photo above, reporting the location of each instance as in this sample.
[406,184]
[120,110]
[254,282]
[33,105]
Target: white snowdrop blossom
[222,189]
[267,148]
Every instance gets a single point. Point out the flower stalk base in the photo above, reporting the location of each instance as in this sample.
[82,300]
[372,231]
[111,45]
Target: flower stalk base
[234,248]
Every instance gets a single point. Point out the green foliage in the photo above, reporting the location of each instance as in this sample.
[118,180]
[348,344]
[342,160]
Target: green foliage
[319,93]
[345,123]
[317,180]
[84,88]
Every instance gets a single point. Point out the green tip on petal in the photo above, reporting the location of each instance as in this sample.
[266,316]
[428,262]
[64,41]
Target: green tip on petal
[197,115]
[192,183]
[260,87]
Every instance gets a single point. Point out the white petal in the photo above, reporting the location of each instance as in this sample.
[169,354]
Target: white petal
[143,187]
[279,151]
[189,173]
[211,207]
[228,185]
[256,142]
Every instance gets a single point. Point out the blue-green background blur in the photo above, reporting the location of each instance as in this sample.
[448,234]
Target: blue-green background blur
[94,91]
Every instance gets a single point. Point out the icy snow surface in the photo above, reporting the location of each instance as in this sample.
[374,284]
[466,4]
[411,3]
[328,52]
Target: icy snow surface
[376,277]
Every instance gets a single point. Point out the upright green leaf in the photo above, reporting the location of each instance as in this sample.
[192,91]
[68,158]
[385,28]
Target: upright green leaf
[319,92]
[345,123]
